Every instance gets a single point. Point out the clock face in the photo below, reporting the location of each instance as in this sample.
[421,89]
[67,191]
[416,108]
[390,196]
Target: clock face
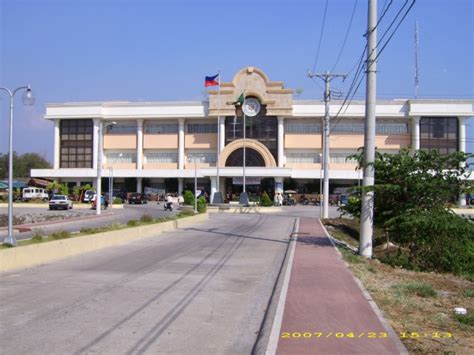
[251,107]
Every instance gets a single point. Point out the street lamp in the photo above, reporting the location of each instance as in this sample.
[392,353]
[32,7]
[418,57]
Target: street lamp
[195,158]
[28,100]
[99,168]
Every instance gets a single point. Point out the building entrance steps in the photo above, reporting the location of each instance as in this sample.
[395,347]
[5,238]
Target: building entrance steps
[326,312]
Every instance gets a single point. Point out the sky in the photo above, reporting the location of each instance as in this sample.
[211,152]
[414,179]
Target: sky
[160,50]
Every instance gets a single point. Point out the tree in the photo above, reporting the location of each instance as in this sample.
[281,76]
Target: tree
[406,181]
[412,193]
[22,164]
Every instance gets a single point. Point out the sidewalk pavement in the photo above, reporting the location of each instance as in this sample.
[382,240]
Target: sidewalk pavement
[326,312]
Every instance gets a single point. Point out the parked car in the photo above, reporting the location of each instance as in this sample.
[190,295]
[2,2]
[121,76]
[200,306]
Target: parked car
[60,202]
[104,203]
[33,193]
[88,195]
[137,198]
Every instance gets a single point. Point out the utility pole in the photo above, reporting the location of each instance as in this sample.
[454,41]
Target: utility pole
[367,213]
[327,78]
[417,77]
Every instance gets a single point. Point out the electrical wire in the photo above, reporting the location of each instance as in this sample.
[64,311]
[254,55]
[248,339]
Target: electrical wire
[320,36]
[346,35]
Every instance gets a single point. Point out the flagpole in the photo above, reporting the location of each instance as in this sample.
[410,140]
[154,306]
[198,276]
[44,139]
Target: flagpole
[243,166]
[218,130]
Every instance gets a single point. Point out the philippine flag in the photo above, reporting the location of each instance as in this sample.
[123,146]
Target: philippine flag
[211,81]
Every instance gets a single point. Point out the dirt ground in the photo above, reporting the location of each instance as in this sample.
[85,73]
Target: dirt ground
[426,325]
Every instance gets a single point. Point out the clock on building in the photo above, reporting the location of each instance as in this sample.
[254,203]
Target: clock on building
[251,107]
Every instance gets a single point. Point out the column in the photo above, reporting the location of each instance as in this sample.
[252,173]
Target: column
[462,148]
[462,134]
[281,137]
[222,133]
[57,144]
[181,144]
[415,134]
[139,144]
[180,186]
[95,142]
[213,187]
[278,185]
[139,185]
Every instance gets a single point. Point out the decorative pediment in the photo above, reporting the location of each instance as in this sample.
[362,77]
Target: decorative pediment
[252,82]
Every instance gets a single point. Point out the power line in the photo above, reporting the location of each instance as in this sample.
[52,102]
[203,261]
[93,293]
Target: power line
[346,35]
[378,54]
[321,35]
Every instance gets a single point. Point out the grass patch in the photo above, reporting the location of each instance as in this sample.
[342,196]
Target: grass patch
[467,319]
[145,220]
[350,256]
[415,288]
[60,235]
[468,293]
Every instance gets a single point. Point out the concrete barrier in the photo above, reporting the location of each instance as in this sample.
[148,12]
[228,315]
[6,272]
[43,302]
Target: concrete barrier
[80,206]
[42,253]
[240,209]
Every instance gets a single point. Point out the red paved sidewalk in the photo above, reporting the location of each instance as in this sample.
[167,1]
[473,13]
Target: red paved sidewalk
[325,302]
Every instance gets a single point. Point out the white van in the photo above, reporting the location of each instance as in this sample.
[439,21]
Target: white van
[30,193]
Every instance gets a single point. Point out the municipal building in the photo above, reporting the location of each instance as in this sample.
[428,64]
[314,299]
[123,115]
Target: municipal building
[161,146]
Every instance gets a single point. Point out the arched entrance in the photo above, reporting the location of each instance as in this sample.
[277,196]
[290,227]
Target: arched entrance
[252,158]
[254,149]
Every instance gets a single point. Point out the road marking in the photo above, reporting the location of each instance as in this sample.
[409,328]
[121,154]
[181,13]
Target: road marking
[277,321]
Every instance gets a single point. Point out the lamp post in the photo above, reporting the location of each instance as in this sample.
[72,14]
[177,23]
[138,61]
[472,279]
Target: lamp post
[99,169]
[29,100]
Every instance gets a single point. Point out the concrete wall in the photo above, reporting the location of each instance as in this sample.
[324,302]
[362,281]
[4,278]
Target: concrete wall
[120,141]
[160,141]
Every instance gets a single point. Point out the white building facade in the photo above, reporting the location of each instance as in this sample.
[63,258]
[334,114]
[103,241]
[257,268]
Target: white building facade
[153,146]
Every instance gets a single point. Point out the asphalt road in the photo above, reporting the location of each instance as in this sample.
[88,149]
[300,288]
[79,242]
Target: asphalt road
[200,290]
[108,216]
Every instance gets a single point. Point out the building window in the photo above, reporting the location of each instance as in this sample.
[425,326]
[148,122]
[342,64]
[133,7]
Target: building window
[161,128]
[261,128]
[391,128]
[209,158]
[121,158]
[380,128]
[307,128]
[303,158]
[76,143]
[341,158]
[161,157]
[439,133]
[122,128]
[201,128]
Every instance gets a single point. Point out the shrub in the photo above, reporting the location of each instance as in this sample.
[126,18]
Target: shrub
[133,223]
[60,235]
[265,200]
[465,318]
[188,198]
[146,218]
[37,239]
[434,240]
[185,213]
[201,204]
[117,201]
